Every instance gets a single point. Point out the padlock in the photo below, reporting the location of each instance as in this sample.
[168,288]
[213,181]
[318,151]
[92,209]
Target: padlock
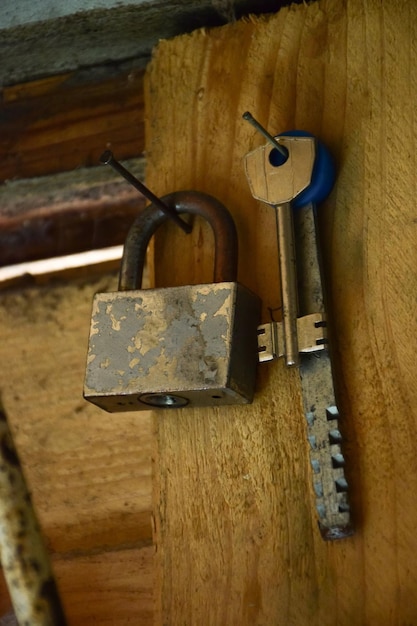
[172,347]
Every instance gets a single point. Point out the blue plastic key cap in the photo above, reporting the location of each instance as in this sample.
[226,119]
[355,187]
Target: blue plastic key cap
[323,175]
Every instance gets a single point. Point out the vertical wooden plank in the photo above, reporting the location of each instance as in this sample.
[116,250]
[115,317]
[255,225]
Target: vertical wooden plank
[237,541]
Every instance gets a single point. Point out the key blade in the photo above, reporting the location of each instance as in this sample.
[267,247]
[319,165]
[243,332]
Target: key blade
[325,439]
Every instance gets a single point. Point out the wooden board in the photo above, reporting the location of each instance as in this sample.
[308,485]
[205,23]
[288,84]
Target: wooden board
[66,121]
[79,36]
[103,588]
[89,472]
[114,588]
[237,540]
[66,213]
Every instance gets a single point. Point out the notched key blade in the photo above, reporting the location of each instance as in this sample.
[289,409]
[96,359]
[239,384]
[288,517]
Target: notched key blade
[327,462]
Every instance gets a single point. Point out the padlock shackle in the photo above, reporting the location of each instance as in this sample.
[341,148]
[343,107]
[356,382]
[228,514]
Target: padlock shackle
[188,202]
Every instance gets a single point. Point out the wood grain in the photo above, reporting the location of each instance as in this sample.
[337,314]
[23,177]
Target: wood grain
[237,541]
[51,132]
[66,213]
[113,587]
[66,121]
[109,589]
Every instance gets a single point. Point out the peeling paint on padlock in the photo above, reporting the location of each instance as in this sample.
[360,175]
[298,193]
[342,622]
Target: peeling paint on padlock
[191,345]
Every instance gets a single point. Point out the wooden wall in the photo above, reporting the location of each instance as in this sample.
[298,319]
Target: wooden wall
[237,539]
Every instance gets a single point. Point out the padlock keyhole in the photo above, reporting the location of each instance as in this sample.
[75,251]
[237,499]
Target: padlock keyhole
[163,400]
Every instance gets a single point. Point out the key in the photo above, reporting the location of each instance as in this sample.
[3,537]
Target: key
[279,185]
[292,173]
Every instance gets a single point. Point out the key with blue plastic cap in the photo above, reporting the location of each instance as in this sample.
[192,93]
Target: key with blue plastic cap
[292,173]
[277,176]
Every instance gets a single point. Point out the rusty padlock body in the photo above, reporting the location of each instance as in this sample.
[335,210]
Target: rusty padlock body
[170,347]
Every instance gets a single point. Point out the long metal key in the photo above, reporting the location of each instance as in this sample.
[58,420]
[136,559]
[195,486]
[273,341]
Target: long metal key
[284,175]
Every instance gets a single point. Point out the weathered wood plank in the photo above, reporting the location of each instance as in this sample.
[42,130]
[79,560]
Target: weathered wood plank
[67,213]
[65,122]
[104,588]
[112,588]
[86,37]
[89,471]
[236,535]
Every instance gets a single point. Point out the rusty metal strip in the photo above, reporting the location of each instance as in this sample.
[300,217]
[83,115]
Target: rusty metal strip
[24,557]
